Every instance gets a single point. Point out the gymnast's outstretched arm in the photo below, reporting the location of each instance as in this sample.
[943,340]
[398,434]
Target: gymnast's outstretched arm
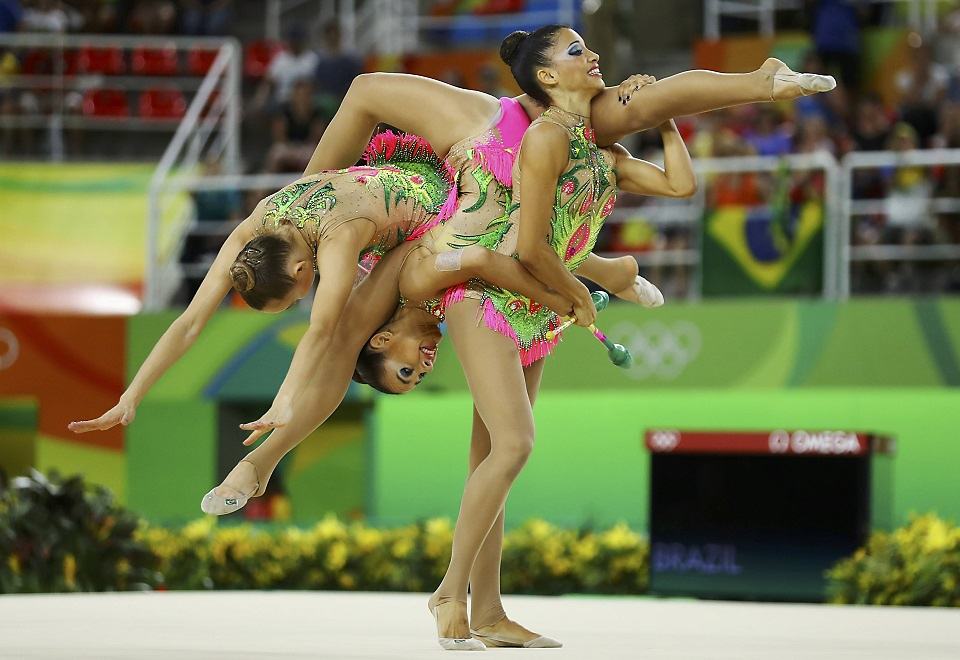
[182,333]
[370,305]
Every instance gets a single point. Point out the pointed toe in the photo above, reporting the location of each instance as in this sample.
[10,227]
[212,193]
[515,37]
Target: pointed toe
[543,643]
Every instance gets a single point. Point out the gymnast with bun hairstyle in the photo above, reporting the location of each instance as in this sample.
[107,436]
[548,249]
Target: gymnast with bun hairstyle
[483,163]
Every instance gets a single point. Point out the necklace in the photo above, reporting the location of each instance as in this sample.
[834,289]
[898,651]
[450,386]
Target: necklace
[581,118]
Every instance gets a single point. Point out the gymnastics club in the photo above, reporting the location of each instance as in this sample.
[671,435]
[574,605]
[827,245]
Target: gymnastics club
[618,353]
[600,301]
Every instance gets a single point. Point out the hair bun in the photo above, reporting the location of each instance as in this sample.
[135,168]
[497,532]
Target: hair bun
[511,44]
[242,276]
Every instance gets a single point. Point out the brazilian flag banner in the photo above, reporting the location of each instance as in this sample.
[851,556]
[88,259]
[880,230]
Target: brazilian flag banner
[773,249]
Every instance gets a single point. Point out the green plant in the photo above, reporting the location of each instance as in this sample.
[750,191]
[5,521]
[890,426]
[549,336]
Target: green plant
[57,534]
[915,565]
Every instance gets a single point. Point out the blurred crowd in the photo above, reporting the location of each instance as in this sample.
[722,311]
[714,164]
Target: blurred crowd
[183,17]
[922,112]
[292,89]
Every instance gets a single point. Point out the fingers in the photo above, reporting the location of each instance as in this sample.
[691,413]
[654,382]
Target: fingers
[262,425]
[99,424]
[253,437]
[633,84]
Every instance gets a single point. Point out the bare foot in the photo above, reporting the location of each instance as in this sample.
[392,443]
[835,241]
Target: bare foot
[787,84]
[243,481]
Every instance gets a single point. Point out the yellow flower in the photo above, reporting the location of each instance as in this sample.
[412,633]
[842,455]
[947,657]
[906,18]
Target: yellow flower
[347,581]
[937,536]
[620,537]
[70,570]
[199,530]
[330,527]
[402,547]
[14,563]
[336,556]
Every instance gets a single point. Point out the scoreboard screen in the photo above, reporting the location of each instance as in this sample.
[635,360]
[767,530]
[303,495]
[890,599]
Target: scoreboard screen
[755,515]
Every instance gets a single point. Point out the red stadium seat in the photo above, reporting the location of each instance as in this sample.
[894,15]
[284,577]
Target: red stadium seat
[162,104]
[106,103]
[101,60]
[36,62]
[154,61]
[200,60]
[258,56]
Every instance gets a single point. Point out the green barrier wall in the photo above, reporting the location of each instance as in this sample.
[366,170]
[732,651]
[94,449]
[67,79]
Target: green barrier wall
[589,465]
[889,366]
[757,344]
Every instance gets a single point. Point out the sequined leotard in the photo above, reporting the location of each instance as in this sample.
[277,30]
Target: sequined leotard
[402,188]
[585,196]
[484,172]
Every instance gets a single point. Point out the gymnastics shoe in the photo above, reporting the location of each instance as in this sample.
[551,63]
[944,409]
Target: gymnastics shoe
[221,505]
[788,84]
[643,293]
[455,643]
[501,640]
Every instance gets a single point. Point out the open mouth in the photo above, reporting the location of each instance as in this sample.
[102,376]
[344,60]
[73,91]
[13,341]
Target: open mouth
[595,71]
[429,351]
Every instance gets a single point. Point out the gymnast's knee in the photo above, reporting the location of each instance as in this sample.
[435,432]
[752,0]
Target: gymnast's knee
[512,453]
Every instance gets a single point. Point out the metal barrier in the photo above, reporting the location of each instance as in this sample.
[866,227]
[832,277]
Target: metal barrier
[214,135]
[61,82]
[851,208]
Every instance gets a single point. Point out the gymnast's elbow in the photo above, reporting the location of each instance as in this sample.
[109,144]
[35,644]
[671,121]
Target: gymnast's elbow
[362,88]
[476,259]
[685,189]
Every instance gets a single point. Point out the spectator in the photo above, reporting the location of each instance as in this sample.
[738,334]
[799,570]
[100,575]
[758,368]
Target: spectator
[836,34]
[11,14]
[871,130]
[908,199]
[769,136]
[206,17]
[297,128]
[336,67]
[923,87]
[217,213]
[813,136]
[153,17]
[295,62]
[216,206]
[44,16]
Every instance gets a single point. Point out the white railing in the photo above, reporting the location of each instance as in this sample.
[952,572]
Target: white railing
[839,254]
[851,208]
[206,133]
[921,14]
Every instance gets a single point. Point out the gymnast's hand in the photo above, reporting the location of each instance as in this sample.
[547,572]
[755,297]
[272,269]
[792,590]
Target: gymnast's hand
[122,413]
[256,435]
[278,415]
[584,309]
[631,85]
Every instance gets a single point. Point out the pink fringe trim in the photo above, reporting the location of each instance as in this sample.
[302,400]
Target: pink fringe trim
[496,160]
[445,213]
[387,145]
[453,295]
[539,348]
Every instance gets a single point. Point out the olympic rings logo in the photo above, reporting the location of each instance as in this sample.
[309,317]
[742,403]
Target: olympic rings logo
[664,440]
[9,348]
[661,350]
